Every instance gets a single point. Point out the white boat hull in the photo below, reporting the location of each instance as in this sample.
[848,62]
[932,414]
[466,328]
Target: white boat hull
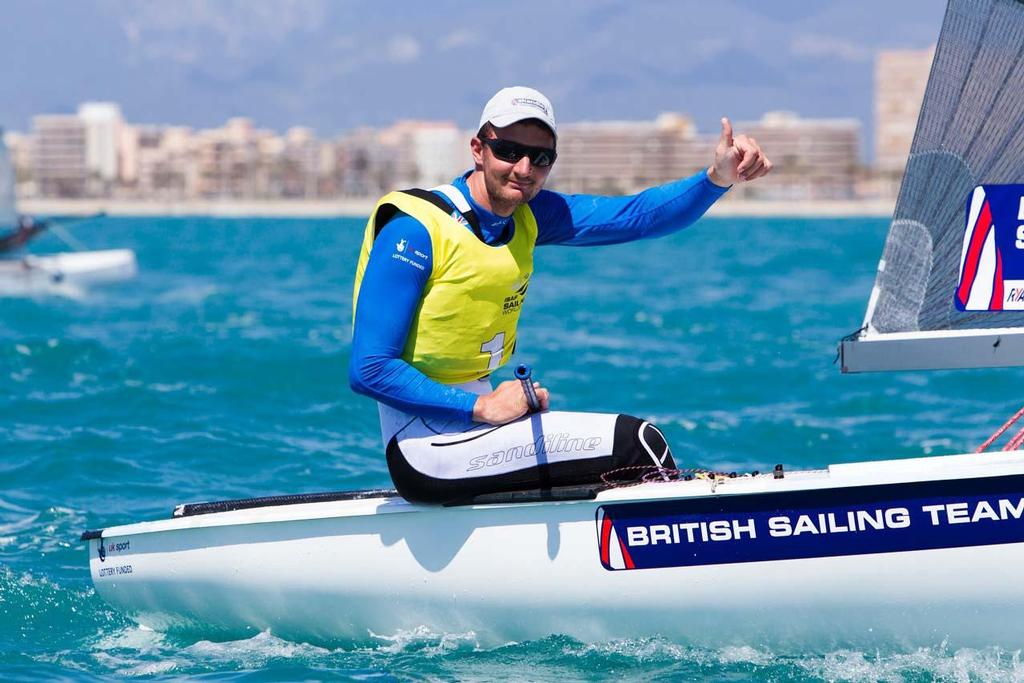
[71,268]
[345,570]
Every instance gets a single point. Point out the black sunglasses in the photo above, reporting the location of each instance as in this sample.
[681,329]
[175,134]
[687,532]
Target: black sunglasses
[511,152]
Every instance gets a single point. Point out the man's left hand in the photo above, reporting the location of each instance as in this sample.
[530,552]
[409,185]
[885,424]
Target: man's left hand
[737,158]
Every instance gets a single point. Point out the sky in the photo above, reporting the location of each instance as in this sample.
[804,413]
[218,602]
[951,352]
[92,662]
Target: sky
[334,65]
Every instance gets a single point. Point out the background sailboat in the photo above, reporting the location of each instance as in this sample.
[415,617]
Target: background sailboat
[970,133]
[25,273]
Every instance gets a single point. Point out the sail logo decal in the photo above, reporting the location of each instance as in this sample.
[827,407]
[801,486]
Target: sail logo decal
[992,255]
[789,525]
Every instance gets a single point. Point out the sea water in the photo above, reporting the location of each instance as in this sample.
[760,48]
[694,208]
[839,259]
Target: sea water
[221,372]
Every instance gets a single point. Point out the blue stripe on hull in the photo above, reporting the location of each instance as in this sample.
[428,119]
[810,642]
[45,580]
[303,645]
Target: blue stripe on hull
[858,520]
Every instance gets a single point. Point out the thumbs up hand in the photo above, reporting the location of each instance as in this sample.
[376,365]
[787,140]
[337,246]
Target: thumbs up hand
[738,158]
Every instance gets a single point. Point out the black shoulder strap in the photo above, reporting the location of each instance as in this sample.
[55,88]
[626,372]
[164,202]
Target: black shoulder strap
[428,196]
[388,211]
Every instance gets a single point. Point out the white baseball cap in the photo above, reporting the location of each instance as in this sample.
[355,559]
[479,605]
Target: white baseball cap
[518,103]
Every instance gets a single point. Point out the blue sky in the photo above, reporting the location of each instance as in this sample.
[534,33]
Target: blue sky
[337,64]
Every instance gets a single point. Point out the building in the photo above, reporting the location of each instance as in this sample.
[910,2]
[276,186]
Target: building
[440,151]
[900,80]
[128,156]
[621,157]
[301,156]
[59,155]
[8,208]
[812,158]
[19,150]
[425,153]
[166,164]
[102,123]
[233,161]
[364,166]
[97,154]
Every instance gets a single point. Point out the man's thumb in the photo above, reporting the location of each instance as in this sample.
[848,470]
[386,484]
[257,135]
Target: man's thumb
[726,138]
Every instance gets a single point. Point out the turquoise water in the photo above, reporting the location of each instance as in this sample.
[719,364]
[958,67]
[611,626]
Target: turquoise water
[221,372]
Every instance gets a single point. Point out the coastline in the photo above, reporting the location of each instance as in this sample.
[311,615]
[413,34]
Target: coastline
[360,208]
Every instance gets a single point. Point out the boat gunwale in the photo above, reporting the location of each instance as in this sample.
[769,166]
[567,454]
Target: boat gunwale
[842,475]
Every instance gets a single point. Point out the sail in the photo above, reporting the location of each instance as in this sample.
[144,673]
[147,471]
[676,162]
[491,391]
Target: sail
[970,132]
[8,212]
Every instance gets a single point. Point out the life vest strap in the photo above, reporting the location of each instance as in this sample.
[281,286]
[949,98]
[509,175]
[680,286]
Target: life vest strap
[388,211]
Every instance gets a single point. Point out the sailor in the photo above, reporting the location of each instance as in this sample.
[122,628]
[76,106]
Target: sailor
[26,229]
[440,284]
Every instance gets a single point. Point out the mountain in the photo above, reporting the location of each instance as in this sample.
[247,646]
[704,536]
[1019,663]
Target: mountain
[333,65]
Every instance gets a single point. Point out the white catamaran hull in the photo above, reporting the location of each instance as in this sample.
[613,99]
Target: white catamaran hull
[72,268]
[935,551]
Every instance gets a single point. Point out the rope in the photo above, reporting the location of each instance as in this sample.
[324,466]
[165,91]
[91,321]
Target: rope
[850,337]
[659,474]
[60,230]
[1013,443]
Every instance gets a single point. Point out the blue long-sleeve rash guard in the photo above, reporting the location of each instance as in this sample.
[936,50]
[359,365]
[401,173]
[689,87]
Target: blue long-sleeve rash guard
[392,288]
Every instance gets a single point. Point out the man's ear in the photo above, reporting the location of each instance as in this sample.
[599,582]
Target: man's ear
[477,148]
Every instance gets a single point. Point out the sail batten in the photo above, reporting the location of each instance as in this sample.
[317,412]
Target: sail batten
[970,132]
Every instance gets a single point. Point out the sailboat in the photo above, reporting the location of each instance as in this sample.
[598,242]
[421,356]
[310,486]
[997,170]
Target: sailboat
[29,273]
[916,550]
[970,134]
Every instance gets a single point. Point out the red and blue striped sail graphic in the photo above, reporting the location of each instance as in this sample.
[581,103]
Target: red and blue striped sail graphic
[992,257]
[613,552]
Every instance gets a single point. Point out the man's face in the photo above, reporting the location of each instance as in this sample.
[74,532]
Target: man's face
[511,184]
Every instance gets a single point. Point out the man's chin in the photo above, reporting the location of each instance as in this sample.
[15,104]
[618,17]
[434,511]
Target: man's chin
[519,194]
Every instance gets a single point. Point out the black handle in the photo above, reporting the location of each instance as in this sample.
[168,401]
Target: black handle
[523,373]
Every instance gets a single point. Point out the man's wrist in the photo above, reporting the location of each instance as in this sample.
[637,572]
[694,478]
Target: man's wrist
[716,179]
[479,408]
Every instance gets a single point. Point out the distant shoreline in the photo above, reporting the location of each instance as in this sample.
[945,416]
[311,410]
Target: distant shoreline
[360,208]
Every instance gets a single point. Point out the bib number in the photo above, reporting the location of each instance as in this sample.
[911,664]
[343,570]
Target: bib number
[494,346]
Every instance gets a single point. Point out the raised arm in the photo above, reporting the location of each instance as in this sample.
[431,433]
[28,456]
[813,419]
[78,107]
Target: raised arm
[388,298]
[591,220]
[587,220]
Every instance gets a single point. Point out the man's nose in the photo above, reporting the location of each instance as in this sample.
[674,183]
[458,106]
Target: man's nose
[523,166]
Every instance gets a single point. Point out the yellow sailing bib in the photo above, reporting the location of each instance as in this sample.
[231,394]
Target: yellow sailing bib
[465,326]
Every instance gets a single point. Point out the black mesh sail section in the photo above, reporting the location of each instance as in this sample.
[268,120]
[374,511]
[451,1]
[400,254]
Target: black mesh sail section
[970,132]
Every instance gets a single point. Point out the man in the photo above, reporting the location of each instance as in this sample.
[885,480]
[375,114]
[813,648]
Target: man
[439,287]
[26,229]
